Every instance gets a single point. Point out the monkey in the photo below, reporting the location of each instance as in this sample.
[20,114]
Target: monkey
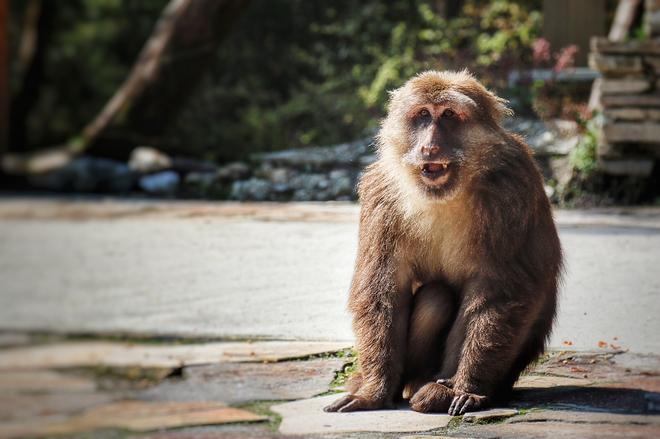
[455,282]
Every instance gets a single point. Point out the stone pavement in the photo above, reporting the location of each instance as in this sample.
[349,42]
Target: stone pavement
[604,394]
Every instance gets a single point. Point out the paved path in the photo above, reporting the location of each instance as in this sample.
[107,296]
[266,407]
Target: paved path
[276,271]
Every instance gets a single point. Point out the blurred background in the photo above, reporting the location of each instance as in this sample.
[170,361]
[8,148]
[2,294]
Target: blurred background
[231,99]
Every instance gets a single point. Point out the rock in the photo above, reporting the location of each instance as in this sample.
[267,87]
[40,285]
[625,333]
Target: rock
[239,383]
[87,174]
[199,182]
[161,183]
[39,381]
[184,165]
[135,416]
[546,381]
[320,158]
[341,183]
[276,175]
[85,354]
[489,415]
[233,171]
[253,189]
[306,417]
[146,160]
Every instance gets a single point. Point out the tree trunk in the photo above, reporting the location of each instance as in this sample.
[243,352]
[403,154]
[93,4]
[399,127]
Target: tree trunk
[4,76]
[35,37]
[169,66]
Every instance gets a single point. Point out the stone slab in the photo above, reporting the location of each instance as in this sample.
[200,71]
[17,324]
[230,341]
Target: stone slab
[237,383]
[82,354]
[495,414]
[558,430]
[134,416]
[307,417]
[546,381]
[585,417]
[33,381]
[29,406]
[12,339]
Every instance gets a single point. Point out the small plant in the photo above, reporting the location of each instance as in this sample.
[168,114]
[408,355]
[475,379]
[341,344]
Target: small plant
[583,158]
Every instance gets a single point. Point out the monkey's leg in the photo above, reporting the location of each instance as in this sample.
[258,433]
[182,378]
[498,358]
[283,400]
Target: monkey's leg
[381,342]
[487,336]
[433,311]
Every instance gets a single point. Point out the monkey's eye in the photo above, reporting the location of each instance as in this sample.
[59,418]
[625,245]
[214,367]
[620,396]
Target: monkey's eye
[424,113]
[448,113]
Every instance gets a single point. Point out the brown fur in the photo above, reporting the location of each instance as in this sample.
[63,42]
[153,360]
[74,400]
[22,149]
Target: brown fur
[482,243]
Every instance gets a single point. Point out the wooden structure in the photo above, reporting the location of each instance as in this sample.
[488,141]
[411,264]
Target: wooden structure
[629,99]
[567,22]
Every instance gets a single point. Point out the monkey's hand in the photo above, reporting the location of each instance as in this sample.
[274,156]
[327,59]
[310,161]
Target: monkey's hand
[351,403]
[465,402]
[432,398]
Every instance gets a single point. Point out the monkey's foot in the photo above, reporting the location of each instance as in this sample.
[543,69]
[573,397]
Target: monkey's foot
[432,398]
[351,403]
[412,387]
[465,402]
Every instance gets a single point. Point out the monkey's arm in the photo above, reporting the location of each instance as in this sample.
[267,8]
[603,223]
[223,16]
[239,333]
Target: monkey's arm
[380,310]
[495,327]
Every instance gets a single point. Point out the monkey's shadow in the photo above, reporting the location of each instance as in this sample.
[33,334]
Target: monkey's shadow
[590,399]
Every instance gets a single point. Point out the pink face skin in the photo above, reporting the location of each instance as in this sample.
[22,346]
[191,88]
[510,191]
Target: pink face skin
[434,151]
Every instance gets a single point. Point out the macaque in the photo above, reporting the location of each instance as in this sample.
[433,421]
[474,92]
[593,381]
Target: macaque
[455,283]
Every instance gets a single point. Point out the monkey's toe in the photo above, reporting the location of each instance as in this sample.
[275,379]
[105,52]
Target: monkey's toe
[432,398]
[352,403]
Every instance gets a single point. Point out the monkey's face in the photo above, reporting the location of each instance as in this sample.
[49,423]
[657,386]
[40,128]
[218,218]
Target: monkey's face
[435,151]
[437,130]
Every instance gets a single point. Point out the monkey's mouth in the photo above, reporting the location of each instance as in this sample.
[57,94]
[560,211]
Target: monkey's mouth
[437,172]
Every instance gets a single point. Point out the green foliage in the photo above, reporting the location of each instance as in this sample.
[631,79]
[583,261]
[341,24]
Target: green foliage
[292,73]
[583,157]
[91,49]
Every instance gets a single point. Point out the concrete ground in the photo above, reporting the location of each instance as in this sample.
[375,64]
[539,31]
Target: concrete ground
[281,271]
[276,271]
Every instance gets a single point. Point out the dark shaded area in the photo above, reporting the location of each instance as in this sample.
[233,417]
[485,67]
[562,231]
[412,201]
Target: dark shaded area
[599,399]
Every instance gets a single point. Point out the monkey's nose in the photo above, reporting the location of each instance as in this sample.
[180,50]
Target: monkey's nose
[428,151]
